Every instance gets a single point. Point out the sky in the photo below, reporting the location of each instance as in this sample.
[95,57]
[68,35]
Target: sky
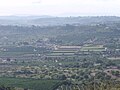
[60,7]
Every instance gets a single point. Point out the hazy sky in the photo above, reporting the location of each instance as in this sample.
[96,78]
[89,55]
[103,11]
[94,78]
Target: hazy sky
[60,7]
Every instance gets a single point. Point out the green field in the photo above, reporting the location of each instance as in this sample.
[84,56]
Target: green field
[32,84]
[64,51]
[92,48]
[12,53]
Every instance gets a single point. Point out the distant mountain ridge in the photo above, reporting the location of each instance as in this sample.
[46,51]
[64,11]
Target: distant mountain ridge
[23,17]
[46,20]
